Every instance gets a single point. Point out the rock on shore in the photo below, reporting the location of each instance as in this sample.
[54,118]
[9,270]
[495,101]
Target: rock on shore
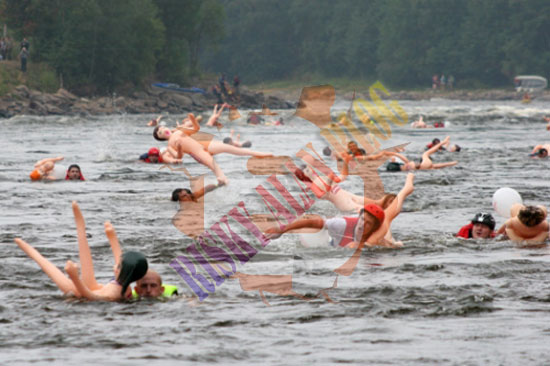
[22,100]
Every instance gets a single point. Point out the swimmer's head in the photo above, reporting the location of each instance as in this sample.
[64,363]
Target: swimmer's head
[132,267]
[435,141]
[74,173]
[150,285]
[485,219]
[182,194]
[370,219]
[327,151]
[531,216]
[161,133]
[455,148]
[246,144]
[228,140]
[542,153]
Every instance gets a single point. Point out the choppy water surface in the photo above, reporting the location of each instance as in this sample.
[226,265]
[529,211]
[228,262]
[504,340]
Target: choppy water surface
[440,300]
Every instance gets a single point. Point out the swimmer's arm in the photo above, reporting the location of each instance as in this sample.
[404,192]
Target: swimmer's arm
[275,232]
[201,192]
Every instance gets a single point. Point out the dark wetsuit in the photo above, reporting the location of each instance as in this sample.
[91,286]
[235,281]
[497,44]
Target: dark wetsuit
[393,167]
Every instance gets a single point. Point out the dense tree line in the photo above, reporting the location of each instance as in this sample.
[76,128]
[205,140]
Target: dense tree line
[102,45]
[400,42]
[107,44]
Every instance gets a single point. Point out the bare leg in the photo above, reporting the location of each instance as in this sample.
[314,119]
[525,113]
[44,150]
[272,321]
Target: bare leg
[206,159]
[217,147]
[113,240]
[342,201]
[444,165]
[86,263]
[64,283]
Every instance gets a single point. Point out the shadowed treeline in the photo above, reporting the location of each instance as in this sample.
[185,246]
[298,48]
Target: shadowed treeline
[400,42]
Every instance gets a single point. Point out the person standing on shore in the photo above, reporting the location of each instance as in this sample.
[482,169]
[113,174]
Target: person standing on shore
[23,55]
[25,44]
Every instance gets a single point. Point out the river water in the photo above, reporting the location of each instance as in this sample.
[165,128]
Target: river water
[439,300]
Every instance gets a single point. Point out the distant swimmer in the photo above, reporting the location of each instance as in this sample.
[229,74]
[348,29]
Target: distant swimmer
[190,217]
[74,173]
[540,151]
[45,170]
[547,119]
[355,150]
[527,224]
[155,121]
[152,156]
[482,226]
[425,164]
[419,123]
[235,141]
[129,267]
[151,286]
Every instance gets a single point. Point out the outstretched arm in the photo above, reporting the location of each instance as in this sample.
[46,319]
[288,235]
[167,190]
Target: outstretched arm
[201,192]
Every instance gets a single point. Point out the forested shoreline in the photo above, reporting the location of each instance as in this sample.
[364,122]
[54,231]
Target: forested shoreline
[99,46]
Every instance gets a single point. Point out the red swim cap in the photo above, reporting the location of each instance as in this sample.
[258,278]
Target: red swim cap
[376,211]
[153,151]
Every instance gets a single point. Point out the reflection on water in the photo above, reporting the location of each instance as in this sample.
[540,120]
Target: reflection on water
[440,300]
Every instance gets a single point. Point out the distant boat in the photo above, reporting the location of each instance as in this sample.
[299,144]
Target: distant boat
[177,88]
[530,83]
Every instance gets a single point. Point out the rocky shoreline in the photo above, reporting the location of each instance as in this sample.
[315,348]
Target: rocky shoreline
[23,101]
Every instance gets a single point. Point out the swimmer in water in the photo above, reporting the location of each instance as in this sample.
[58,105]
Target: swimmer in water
[180,143]
[74,173]
[43,169]
[212,146]
[547,119]
[190,217]
[153,156]
[129,267]
[540,151]
[235,141]
[482,226]
[151,286]
[526,225]
[425,164]
[154,122]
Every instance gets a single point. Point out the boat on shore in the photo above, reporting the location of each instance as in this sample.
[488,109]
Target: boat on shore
[530,83]
[177,88]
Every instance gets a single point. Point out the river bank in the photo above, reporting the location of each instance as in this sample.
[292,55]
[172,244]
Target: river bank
[293,94]
[24,101]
